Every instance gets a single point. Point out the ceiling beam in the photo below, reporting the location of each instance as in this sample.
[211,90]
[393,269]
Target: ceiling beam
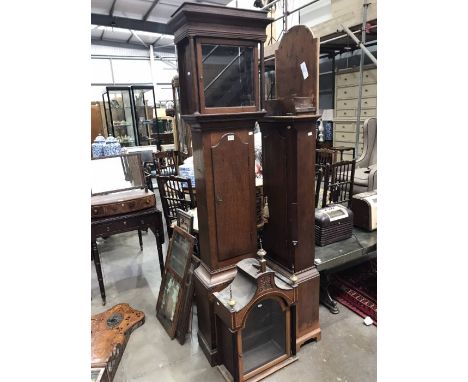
[145,17]
[139,38]
[155,41]
[126,23]
[111,12]
[132,45]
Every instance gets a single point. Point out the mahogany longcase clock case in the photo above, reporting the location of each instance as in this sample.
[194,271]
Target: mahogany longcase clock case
[218,52]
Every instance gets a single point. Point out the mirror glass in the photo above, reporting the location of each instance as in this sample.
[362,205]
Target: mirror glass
[116,174]
[169,298]
[264,336]
[228,75]
[180,253]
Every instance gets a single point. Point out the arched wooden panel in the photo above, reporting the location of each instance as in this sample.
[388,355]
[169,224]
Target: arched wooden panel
[233,196]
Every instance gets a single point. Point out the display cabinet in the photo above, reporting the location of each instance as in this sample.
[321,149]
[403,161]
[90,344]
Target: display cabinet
[144,109]
[119,113]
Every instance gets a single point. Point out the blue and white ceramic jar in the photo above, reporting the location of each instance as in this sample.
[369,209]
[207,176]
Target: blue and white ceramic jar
[97,147]
[112,146]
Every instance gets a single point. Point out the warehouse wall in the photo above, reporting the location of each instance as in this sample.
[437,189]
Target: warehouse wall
[112,65]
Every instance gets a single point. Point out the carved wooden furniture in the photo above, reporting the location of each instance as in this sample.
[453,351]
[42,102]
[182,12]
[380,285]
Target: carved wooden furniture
[217,50]
[107,205]
[166,162]
[338,183]
[110,332]
[254,322]
[176,193]
[121,202]
[289,174]
[141,220]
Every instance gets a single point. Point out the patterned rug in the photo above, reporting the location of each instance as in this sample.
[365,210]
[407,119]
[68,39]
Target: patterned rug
[356,288]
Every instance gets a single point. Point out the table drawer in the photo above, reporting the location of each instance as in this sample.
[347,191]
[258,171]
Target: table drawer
[344,104]
[369,76]
[369,90]
[123,206]
[348,113]
[346,93]
[348,137]
[123,225]
[368,103]
[347,79]
[367,113]
[347,127]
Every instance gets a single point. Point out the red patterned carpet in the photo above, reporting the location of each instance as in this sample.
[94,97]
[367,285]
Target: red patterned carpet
[356,288]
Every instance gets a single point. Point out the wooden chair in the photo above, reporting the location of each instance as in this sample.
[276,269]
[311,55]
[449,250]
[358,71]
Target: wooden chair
[166,162]
[338,183]
[332,154]
[175,192]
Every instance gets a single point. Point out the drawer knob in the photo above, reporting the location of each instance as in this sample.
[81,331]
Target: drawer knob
[125,223]
[345,92]
[365,90]
[142,222]
[147,201]
[108,229]
[123,204]
[95,211]
[345,103]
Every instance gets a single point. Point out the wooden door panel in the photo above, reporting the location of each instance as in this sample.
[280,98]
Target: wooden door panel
[231,169]
[276,172]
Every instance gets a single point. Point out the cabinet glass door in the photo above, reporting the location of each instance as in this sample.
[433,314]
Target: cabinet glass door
[120,116]
[145,112]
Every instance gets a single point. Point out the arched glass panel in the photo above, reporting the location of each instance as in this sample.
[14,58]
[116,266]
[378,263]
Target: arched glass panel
[264,336]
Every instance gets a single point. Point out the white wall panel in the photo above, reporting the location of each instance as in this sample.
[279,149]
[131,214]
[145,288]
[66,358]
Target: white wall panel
[131,71]
[101,71]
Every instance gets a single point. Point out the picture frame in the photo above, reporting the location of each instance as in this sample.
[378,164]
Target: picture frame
[185,220]
[174,283]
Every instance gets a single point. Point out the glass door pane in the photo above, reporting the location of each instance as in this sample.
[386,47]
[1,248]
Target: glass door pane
[264,336]
[228,75]
[145,112]
[122,116]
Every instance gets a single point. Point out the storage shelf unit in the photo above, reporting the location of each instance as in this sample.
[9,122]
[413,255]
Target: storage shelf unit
[346,103]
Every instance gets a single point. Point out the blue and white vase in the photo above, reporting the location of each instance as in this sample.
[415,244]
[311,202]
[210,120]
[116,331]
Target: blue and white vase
[112,146]
[97,147]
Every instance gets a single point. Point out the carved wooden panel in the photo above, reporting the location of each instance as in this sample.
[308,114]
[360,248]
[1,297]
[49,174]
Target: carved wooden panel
[297,68]
[110,332]
[231,169]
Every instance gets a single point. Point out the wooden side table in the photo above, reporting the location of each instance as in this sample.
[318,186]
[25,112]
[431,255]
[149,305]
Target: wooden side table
[150,218]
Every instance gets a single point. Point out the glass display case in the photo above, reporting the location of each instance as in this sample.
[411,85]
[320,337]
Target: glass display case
[144,109]
[120,118]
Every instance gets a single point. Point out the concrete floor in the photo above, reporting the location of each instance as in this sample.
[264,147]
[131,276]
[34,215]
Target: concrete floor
[347,351]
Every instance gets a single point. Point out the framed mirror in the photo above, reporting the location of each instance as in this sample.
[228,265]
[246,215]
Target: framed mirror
[116,173]
[174,283]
